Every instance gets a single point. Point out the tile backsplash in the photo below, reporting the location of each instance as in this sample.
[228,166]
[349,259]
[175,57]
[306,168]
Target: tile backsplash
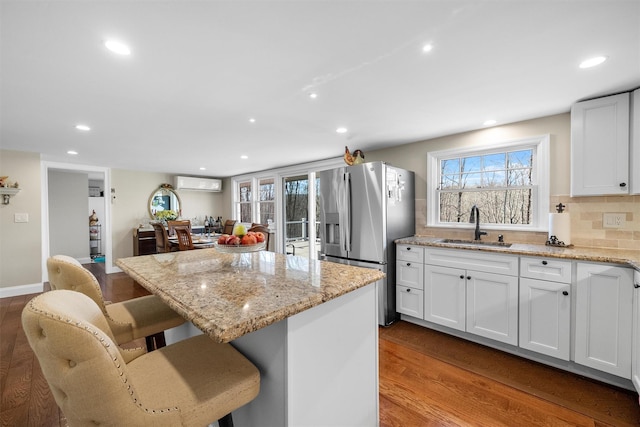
[587,227]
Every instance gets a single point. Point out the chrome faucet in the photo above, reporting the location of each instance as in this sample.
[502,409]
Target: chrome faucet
[475,217]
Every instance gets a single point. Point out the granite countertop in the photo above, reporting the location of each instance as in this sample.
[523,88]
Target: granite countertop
[618,256]
[230,295]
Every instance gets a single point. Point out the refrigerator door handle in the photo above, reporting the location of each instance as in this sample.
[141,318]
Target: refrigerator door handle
[347,224]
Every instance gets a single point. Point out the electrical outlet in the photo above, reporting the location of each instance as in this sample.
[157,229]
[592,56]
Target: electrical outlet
[614,220]
[21,217]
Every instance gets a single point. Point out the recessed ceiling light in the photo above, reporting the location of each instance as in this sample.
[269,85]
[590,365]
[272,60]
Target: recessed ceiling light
[72,152]
[83,127]
[117,47]
[592,62]
[203,168]
[252,120]
[341,130]
[313,95]
[427,47]
[489,122]
[244,157]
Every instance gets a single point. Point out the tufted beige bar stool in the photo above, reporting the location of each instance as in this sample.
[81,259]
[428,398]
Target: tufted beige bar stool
[129,320]
[95,382]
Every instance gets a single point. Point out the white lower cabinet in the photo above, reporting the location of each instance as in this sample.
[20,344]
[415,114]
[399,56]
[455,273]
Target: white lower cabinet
[492,306]
[409,280]
[545,316]
[472,300]
[409,301]
[445,296]
[545,306]
[603,318]
[635,341]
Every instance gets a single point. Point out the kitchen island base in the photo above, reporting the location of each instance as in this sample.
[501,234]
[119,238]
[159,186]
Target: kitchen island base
[318,367]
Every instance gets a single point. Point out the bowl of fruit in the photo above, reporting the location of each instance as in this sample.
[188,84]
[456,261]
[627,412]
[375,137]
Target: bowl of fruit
[241,241]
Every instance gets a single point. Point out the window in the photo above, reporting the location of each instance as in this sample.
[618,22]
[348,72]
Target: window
[508,182]
[266,201]
[245,202]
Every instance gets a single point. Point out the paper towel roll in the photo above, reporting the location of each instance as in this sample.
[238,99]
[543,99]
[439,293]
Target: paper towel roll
[560,226]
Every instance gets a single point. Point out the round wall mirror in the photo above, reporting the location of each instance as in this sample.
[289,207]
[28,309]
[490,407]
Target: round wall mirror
[166,199]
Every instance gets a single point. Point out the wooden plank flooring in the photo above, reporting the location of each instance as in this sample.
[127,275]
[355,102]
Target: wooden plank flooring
[426,379]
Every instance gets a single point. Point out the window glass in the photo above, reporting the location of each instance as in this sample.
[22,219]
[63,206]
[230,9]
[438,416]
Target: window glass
[266,201]
[500,182]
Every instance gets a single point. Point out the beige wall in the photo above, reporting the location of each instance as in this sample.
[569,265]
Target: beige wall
[586,212]
[130,207]
[20,243]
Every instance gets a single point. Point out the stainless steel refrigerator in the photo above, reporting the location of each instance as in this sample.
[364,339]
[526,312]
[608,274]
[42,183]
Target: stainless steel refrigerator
[363,209]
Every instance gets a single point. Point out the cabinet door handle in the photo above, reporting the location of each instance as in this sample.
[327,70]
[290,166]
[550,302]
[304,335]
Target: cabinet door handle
[468,277]
[461,276]
[408,264]
[408,290]
[408,249]
[565,293]
[623,184]
[544,263]
[636,285]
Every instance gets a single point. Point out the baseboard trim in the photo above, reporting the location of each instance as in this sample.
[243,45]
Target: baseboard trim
[14,291]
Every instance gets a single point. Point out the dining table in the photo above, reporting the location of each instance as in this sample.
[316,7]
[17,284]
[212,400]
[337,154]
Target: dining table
[309,326]
[200,241]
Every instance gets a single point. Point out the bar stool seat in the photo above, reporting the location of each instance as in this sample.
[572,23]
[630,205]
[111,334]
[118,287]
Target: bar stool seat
[95,382]
[144,317]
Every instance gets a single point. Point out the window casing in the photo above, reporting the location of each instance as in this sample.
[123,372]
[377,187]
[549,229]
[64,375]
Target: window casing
[508,181]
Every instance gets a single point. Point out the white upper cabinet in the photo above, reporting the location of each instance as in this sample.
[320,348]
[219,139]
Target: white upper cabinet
[635,143]
[600,146]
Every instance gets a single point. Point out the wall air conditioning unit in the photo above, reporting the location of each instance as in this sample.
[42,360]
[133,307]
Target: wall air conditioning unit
[197,184]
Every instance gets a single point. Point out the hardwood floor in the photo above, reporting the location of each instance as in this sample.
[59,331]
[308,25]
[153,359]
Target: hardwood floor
[426,379]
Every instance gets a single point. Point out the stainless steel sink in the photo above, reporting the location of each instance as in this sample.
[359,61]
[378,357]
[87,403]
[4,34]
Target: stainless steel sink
[475,243]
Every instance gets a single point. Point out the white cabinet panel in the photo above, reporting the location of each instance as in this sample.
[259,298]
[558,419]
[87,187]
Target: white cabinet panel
[492,306]
[410,274]
[410,301]
[545,269]
[444,296]
[604,317]
[410,253]
[472,260]
[545,310]
[600,146]
[635,341]
[634,153]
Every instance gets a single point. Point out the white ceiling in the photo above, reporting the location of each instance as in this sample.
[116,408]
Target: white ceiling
[199,70]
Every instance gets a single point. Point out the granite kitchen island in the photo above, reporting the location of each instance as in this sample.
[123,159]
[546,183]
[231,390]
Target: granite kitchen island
[309,326]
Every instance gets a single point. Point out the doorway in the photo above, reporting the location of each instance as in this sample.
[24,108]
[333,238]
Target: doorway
[88,174]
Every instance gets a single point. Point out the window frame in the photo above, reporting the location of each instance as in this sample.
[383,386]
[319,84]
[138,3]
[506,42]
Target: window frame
[540,181]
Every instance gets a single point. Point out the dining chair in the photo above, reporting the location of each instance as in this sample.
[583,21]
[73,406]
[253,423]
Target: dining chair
[185,243]
[95,382]
[264,230]
[162,239]
[129,320]
[228,226]
[172,225]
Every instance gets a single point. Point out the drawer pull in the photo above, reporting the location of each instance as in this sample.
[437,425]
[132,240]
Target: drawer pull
[636,285]
[408,290]
[544,263]
[408,249]
[565,293]
[408,264]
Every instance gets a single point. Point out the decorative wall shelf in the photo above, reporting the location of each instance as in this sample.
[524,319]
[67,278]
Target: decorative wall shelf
[7,192]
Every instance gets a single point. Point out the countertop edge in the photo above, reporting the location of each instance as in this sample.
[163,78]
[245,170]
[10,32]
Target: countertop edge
[614,256]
